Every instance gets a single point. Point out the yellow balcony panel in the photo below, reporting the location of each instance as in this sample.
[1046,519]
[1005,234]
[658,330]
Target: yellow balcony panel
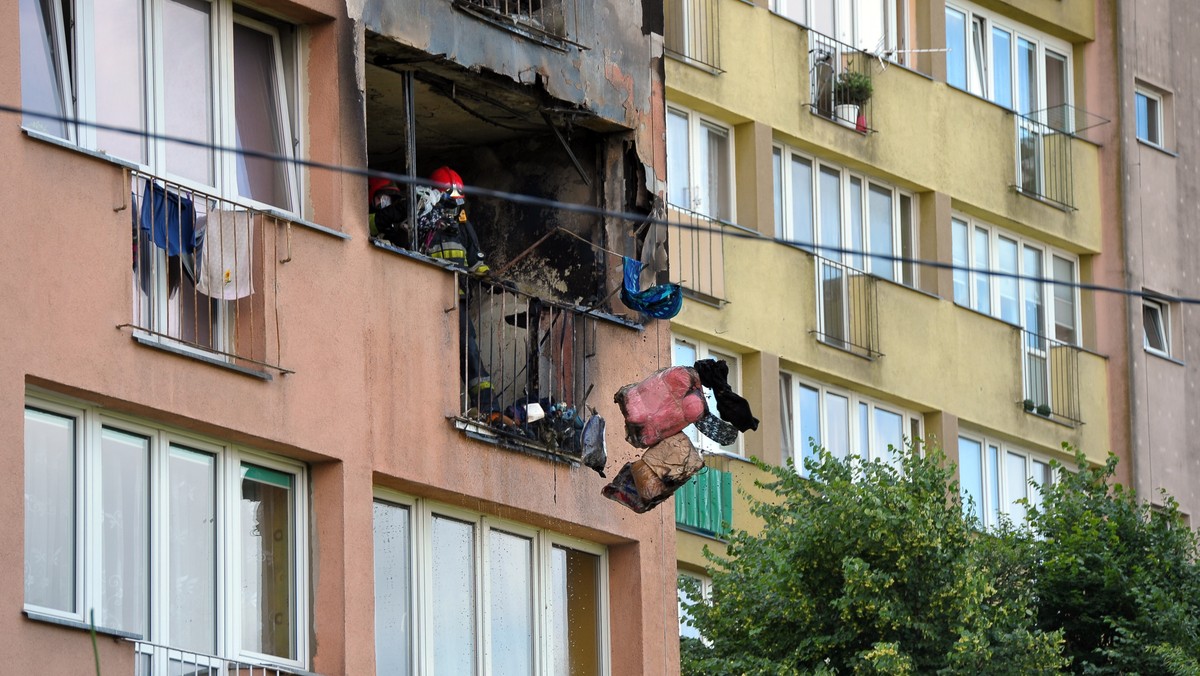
[689,546]
[1071,20]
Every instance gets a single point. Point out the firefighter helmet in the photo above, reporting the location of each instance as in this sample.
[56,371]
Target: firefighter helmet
[448,181]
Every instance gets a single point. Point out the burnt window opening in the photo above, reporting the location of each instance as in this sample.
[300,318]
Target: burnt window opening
[552,22]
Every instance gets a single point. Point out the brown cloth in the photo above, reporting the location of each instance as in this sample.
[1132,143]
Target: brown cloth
[645,483]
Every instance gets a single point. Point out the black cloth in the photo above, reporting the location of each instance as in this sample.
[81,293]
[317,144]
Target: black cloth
[731,406]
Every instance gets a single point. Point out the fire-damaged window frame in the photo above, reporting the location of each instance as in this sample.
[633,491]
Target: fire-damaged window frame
[416,593]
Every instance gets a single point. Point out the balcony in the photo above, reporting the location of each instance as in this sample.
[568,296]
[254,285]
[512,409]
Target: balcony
[1050,377]
[154,660]
[1045,166]
[697,253]
[840,82]
[692,32]
[548,21]
[204,273]
[847,308]
[524,366]
[704,504]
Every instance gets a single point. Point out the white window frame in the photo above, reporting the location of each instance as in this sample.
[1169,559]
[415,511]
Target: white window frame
[422,569]
[696,124]
[1161,310]
[228,461]
[705,584]
[985,511]
[707,351]
[864,261]
[1155,122]
[985,88]
[847,26]
[869,450]
[1047,272]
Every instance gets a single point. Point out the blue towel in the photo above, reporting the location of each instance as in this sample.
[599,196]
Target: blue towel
[169,219]
[661,302]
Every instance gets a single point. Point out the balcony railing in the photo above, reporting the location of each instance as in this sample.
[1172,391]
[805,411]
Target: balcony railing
[1050,371]
[205,271]
[160,660]
[839,74]
[847,308]
[557,19]
[697,252]
[692,31]
[523,364]
[705,503]
[1045,166]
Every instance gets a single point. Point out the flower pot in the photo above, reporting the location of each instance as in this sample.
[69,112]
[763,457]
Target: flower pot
[846,114]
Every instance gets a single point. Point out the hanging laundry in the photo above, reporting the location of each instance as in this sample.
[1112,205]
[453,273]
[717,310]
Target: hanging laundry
[718,430]
[732,407]
[170,219]
[661,302]
[226,256]
[645,483]
[662,405]
[594,449]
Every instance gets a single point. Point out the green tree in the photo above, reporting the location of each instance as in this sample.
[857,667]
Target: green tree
[866,568]
[1117,577]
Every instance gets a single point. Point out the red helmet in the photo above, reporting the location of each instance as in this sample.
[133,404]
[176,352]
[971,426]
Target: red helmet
[377,187]
[447,180]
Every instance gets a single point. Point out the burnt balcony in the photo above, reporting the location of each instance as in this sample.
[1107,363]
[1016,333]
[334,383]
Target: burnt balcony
[551,22]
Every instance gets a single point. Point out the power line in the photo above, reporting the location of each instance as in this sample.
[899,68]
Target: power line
[719,228]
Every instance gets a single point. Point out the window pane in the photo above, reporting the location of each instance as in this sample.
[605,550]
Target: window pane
[959,246]
[120,73]
[788,431]
[453,598]
[393,624]
[41,90]
[124,531]
[1002,67]
[982,261]
[1034,306]
[889,431]
[810,420]
[575,605]
[782,230]
[1006,258]
[837,412]
[880,209]
[831,212]
[259,117]
[802,201]
[1016,483]
[856,225]
[686,629]
[1154,326]
[1056,91]
[268,555]
[1041,476]
[823,16]
[678,174]
[865,443]
[796,10]
[187,87]
[1142,106]
[192,550]
[50,510]
[714,172]
[1027,80]
[872,25]
[510,569]
[1064,301]
[993,484]
[1153,121]
[979,61]
[970,476]
[956,48]
[907,241]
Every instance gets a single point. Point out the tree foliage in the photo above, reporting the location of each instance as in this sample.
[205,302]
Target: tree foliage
[867,567]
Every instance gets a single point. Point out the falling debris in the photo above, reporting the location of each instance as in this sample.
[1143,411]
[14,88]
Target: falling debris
[662,405]
[645,483]
[733,408]
[595,452]
[661,302]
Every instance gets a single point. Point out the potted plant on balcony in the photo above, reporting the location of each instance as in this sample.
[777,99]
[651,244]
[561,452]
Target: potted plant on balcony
[851,92]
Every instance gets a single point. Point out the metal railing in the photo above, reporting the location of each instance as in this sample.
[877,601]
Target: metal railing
[523,364]
[839,78]
[1045,166]
[152,659]
[705,503]
[1050,374]
[847,308]
[551,18]
[696,246]
[692,31]
[205,270]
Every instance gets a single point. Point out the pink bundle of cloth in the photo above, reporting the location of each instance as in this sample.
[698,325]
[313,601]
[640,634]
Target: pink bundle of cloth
[662,405]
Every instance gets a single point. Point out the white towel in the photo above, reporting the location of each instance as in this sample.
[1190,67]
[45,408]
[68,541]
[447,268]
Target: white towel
[225,261]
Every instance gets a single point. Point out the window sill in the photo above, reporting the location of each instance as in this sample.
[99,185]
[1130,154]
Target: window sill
[1065,208]
[1154,146]
[76,624]
[158,344]
[482,433]
[700,532]
[855,351]
[698,65]
[1163,356]
[105,157]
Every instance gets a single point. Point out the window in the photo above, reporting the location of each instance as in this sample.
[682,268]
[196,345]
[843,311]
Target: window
[842,422]
[692,33]
[994,478]
[699,164]
[688,585]
[983,248]
[686,353]
[1156,324]
[1149,114]
[462,593]
[155,531]
[1008,63]
[876,26]
[822,205]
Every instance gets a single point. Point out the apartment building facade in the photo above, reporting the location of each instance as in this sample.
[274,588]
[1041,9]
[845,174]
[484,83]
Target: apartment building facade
[243,423]
[807,211]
